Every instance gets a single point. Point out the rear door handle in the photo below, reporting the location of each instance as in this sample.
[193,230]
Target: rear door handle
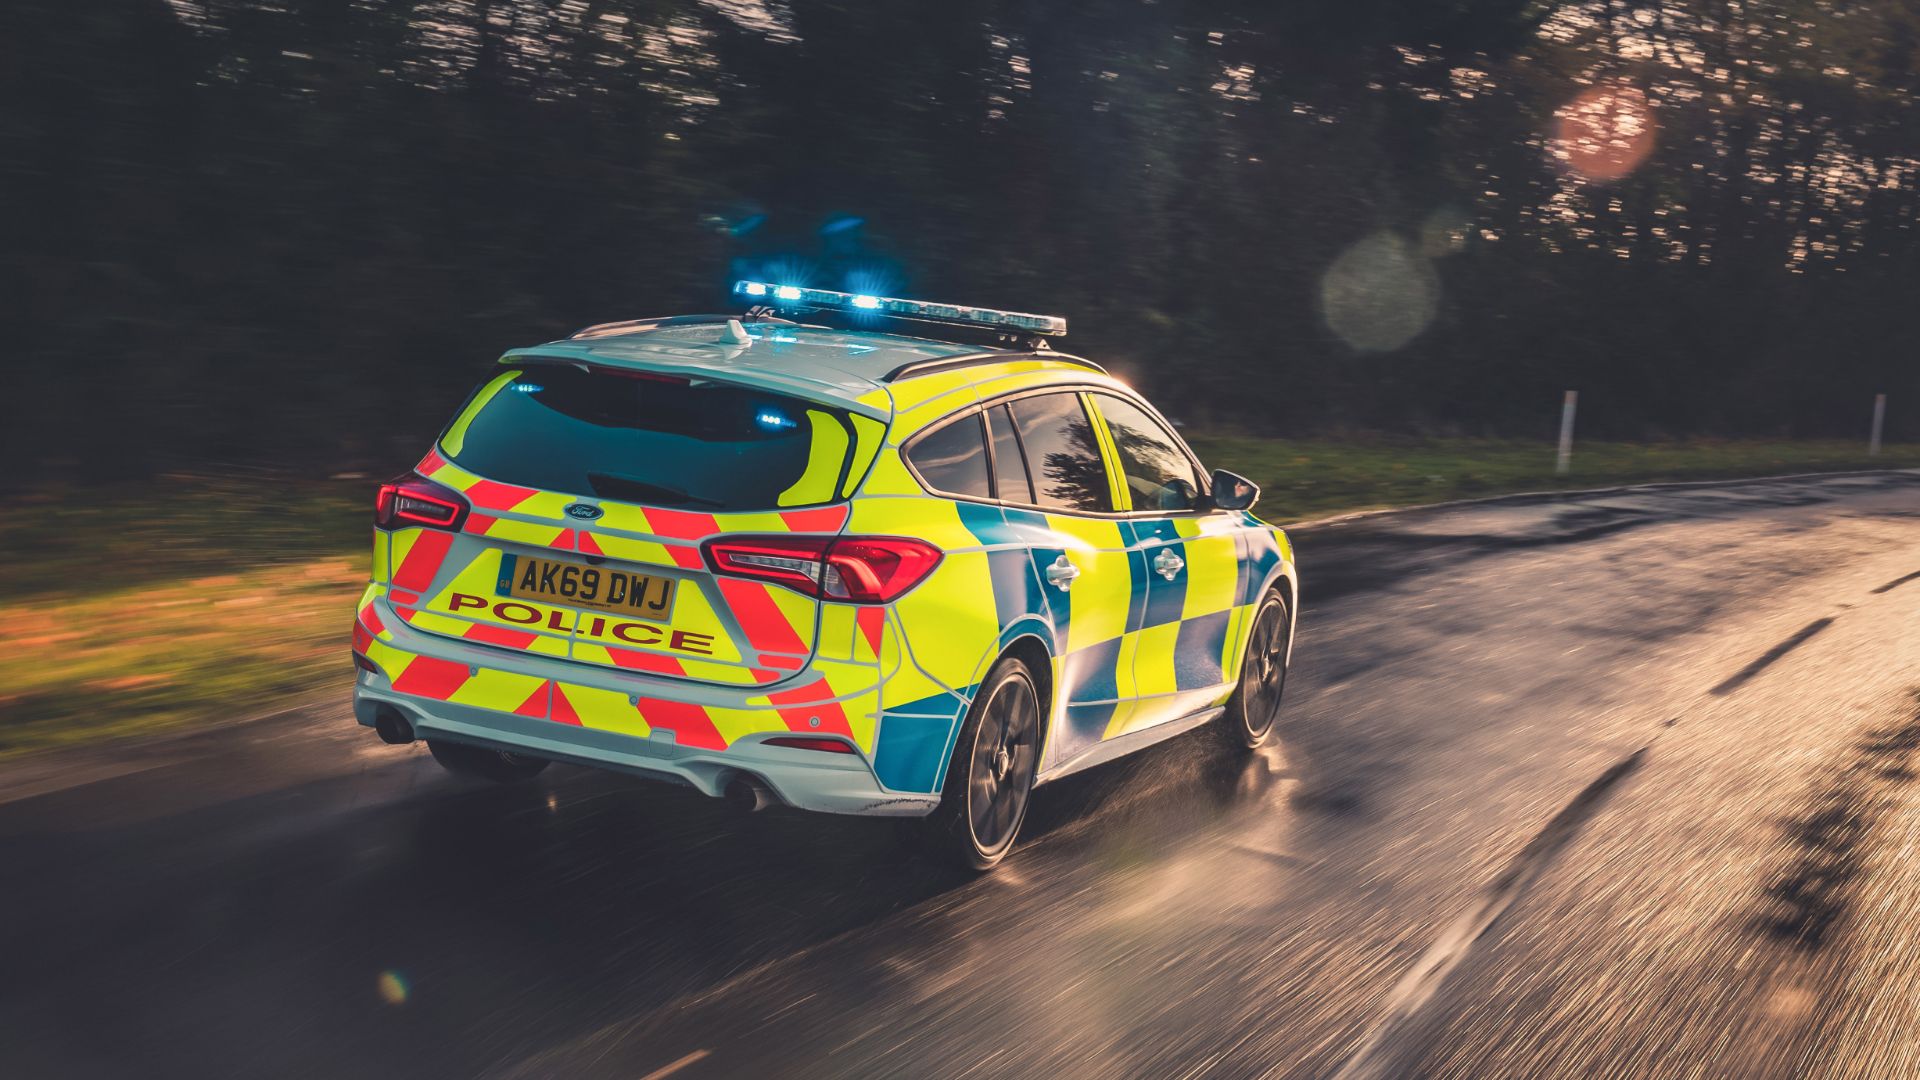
[1168,564]
[1061,574]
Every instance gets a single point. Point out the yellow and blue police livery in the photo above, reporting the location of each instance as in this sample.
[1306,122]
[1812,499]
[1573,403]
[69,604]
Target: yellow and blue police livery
[840,569]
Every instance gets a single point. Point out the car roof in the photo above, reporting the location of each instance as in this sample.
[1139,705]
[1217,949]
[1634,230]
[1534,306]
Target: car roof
[849,368]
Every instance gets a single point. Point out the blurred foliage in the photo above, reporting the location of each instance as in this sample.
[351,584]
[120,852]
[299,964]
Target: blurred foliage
[108,537]
[134,660]
[291,232]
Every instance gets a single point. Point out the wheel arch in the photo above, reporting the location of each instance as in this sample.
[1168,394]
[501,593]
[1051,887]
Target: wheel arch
[1028,639]
[1289,586]
[1038,658]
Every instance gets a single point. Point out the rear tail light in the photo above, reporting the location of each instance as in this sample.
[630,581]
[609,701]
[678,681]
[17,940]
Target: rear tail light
[413,500]
[802,742]
[857,569]
[793,561]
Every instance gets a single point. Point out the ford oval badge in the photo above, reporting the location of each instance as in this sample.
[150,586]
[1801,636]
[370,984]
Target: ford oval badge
[583,511]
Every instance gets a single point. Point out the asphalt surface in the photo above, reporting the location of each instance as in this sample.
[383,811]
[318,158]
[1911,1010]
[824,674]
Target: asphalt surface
[1614,785]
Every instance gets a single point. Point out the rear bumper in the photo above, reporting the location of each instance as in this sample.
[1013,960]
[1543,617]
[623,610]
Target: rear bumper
[807,779]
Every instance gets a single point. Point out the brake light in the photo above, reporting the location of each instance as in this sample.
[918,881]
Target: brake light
[876,569]
[801,742]
[415,500]
[857,569]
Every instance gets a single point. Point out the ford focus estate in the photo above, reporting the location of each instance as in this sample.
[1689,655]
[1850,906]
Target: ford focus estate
[840,569]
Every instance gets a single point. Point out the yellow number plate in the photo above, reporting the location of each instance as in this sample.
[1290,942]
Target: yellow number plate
[637,596]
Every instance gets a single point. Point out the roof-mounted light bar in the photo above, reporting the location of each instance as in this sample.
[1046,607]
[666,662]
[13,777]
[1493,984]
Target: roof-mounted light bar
[793,296]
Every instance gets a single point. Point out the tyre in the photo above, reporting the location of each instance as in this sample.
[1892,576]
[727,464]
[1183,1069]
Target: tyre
[498,766]
[990,775]
[1255,703]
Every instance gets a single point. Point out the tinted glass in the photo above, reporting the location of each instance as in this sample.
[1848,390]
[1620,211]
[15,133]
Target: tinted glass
[663,442]
[953,459]
[1009,467]
[1149,458]
[1062,452]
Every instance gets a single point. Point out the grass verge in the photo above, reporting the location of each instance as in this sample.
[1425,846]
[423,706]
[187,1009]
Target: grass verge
[1303,479]
[198,600]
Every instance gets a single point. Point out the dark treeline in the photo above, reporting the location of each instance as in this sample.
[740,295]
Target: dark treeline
[293,231]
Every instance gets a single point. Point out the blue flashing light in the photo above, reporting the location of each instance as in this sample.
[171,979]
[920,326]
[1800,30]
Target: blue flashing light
[528,388]
[773,421]
[923,310]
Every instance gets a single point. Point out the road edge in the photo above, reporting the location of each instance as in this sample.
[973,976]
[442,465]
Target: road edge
[1557,494]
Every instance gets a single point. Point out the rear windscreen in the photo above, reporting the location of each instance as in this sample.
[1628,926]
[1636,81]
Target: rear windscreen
[657,440]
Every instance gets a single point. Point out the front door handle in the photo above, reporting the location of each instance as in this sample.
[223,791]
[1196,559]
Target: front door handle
[1061,574]
[1167,564]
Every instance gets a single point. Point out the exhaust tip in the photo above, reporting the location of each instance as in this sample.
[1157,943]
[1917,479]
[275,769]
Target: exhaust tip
[393,728]
[748,793]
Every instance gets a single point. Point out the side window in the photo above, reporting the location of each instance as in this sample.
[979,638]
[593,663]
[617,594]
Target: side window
[1062,453]
[1009,463]
[1158,475]
[953,460]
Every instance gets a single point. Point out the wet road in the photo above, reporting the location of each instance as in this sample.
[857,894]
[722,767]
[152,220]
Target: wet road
[1617,785]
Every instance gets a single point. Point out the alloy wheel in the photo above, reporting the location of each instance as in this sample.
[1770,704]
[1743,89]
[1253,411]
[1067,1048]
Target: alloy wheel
[1000,774]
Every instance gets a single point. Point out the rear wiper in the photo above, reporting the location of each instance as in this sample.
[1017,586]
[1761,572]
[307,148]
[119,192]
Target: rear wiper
[628,489]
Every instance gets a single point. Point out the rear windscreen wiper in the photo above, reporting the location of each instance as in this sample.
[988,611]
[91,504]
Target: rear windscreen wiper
[628,489]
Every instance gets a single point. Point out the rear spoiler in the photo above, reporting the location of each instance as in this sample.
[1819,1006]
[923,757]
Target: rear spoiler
[699,360]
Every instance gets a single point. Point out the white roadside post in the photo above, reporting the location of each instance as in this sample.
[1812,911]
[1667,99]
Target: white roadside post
[1565,460]
[1879,424]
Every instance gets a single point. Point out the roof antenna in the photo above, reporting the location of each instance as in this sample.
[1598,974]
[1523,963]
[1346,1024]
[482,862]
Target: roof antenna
[735,334]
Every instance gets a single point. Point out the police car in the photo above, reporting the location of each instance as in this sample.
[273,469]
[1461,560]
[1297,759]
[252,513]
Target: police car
[840,569]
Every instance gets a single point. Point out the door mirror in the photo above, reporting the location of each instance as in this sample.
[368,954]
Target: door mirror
[1231,491]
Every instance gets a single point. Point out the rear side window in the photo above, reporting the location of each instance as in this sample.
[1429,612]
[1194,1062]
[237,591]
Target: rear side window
[1009,462]
[658,440]
[1062,453]
[953,460]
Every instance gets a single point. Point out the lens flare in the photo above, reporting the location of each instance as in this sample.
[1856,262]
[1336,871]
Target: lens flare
[393,988]
[1605,132]
[1380,293]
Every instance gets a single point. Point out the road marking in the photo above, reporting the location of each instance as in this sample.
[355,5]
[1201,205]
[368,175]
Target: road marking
[1375,1057]
[1896,583]
[675,1066]
[1734,681]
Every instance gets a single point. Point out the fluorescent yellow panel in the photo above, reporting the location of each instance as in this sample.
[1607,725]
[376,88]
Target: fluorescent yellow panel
[1116,483]
[501,691]
[626,549]
[1102,592]
[867,433]
[936,521]
[918,400]
[457,434]
[825,455]
[890,477]
[546,504]
[736,724]
[1154,659]
[524,532]
[838,632]
[1212,575]
[949,618]
[605,710]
